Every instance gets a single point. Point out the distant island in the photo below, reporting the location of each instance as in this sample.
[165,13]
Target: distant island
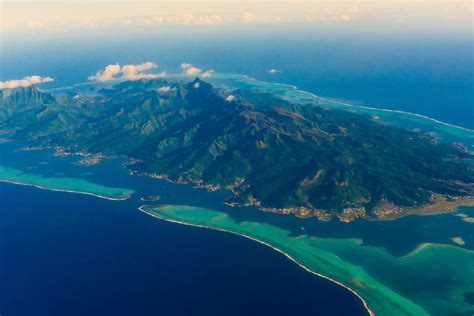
[269,152]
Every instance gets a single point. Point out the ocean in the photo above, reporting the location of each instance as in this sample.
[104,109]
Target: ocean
[69,254]
[420,73]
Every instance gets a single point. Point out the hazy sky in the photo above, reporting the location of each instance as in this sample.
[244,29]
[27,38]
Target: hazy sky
[394,53]
[57,16]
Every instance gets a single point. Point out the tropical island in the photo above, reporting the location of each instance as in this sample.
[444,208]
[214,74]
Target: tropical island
[276,155]
[274,149]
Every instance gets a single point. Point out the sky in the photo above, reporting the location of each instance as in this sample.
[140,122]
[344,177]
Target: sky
[62,16]
[412,55]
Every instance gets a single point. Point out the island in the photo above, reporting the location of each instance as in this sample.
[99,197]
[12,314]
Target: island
[272,153]
[273,148]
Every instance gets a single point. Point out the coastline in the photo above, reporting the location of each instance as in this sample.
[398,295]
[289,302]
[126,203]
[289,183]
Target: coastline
[302,91]
[359,106]
[67,191]
[395,111]
[432,209]
[429,210]
[364,303]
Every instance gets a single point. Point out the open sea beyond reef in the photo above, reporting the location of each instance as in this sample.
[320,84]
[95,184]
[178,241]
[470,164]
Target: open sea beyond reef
[106,257]
[73,254]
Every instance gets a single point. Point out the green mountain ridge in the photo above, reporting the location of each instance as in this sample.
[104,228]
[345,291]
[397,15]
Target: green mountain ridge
[271,153]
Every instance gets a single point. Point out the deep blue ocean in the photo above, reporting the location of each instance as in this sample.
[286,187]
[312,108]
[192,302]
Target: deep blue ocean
[430,74]
[68,254]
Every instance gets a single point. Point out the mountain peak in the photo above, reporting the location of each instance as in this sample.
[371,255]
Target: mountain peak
[197,84]
[26,95]
[273,154]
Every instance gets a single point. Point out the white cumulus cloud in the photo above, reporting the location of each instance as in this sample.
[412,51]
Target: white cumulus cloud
[186,66]
[193,71]
[273,71]
[127,72]
[107,74]
[189,69]
[25,82]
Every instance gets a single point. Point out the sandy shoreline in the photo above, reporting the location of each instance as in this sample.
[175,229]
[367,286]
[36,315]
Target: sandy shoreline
[366,306]
[68,191]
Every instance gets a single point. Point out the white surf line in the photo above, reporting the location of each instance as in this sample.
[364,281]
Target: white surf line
[359,106]
[62,190]
[395,111]
[366,306]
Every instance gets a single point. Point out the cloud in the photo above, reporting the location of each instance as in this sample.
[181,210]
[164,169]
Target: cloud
[127,72]
[126,14]
[248,17]
[189,69]
[90,24]
[186,65]
[25,82]
[193,71]
[136,72]
[34,24]
[230,98]
[187,19]
[273,71]
[166,89]
[344,18]
[139,68]
[107,74]
[201,20]
[207,73]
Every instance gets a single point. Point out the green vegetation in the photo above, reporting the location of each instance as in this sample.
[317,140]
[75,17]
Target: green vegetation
[63,184]
[408,285]
[275,151]
[272,153]
[444,132]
